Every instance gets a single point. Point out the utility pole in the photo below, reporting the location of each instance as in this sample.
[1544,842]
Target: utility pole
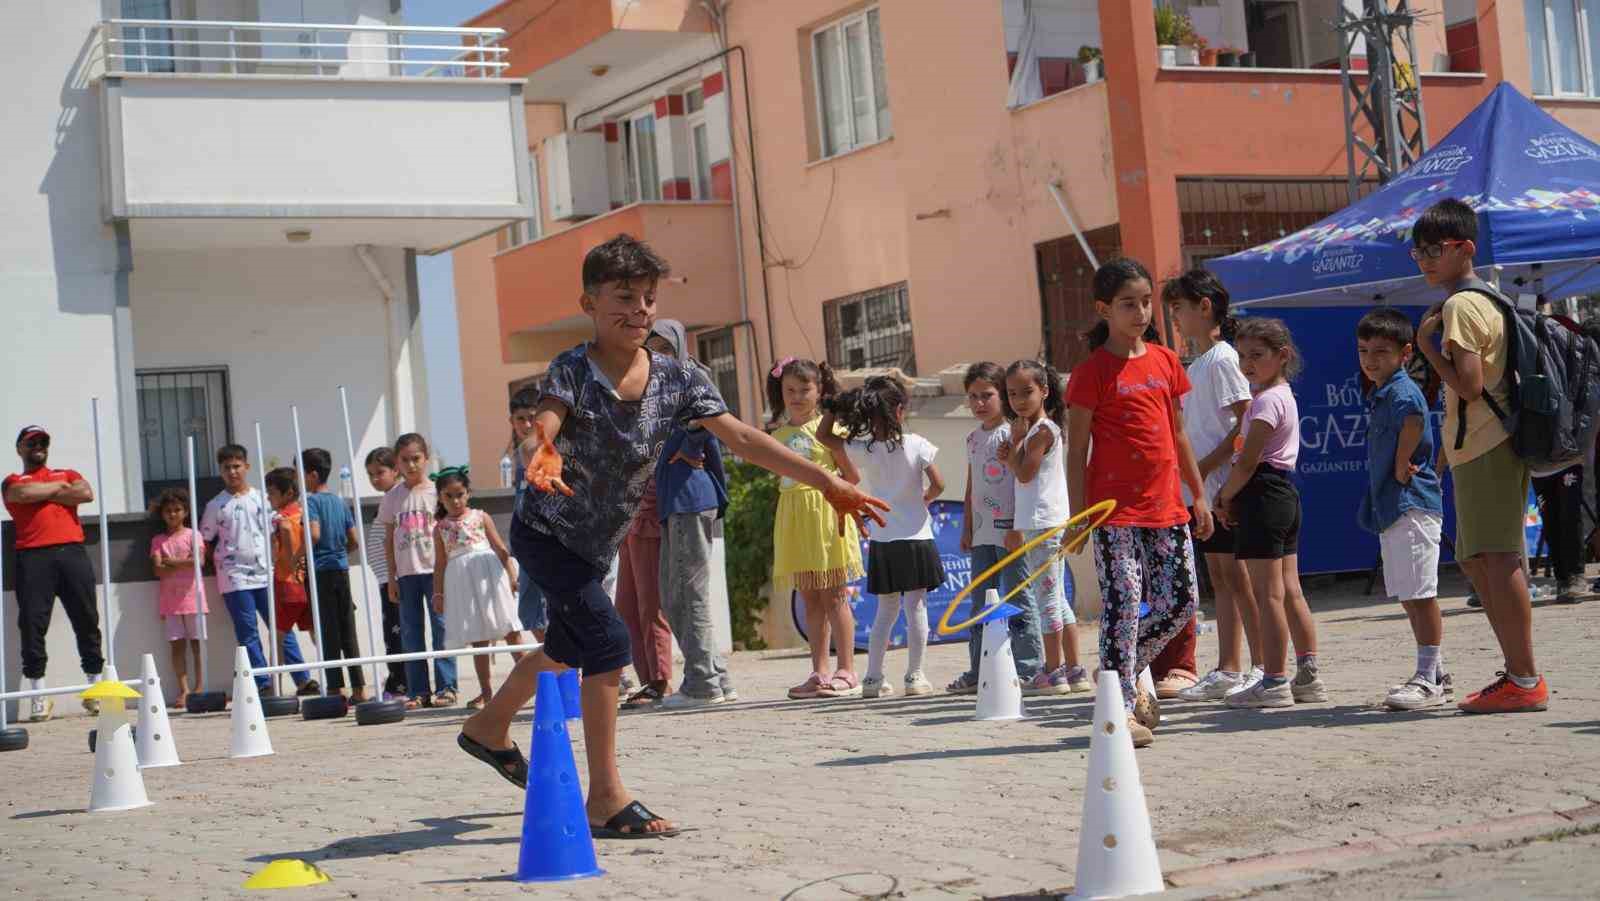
[1390,103]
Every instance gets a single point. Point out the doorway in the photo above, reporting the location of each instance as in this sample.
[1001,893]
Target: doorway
[1273,28]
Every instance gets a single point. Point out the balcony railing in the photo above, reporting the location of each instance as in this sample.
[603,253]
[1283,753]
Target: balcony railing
[296,48]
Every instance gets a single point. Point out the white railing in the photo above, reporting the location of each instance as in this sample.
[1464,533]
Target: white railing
[295,48]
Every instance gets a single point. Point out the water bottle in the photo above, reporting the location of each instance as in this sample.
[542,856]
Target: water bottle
[1201,626]
[347,488]
[508,470]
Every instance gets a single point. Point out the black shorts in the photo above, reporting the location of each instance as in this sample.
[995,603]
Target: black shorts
[1268,511]
[585,630]
[899,566]
[1220,542]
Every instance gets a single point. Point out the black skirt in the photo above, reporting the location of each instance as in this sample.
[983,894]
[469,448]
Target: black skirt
[897,566]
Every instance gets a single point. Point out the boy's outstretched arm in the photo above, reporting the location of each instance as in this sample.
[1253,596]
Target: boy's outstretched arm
[759,448]
[544,463]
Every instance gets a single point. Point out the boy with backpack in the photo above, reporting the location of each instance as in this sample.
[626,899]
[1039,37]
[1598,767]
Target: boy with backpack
[1519,390]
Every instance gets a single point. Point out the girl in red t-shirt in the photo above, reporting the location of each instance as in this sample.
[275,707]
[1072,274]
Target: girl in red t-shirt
[1125,397]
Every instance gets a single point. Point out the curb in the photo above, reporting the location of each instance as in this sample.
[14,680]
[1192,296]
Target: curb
[1526,826]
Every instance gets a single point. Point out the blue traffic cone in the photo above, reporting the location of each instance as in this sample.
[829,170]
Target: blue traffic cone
[570,700]
[556,844]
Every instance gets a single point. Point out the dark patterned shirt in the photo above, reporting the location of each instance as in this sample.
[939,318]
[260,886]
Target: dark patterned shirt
[610,447]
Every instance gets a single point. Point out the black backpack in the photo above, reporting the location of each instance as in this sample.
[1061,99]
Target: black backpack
[1553,373]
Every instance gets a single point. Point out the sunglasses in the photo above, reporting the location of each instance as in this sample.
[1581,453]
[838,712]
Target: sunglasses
[31,443]
[1433,251]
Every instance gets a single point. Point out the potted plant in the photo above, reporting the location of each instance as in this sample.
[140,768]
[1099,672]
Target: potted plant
[1228,57]
[1091,60]
[1247,58]
[1167,35]
[1208,56]
[1189,43]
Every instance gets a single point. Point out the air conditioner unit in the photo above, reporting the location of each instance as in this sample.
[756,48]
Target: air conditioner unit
[575,167]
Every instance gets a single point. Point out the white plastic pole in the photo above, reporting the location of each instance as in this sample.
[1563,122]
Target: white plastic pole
[311,568]
[414,655]
[79,689]
[266,529]
[3,724]
[195,553]
[361,539]
[105,536]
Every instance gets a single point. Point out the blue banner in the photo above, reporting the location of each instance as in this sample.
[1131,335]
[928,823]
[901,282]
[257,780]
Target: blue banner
[957,574]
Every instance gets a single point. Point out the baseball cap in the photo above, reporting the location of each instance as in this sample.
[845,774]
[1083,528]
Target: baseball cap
[31,430]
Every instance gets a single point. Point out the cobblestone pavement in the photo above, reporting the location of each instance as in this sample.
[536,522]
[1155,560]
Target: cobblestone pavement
[910,792]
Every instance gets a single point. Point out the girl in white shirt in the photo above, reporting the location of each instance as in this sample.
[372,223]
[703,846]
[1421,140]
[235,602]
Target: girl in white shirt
[902,561]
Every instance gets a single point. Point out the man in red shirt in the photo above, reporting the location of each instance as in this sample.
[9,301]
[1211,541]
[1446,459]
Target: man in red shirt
[51,561]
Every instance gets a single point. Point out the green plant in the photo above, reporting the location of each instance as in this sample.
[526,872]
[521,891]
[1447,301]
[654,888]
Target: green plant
[1167,27]
[752,508]
[1186,33]
[1087,54]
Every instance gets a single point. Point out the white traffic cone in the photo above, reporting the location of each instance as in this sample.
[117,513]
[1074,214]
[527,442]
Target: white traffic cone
[249,724]
[1116,849]
[999,689]
[153,738]
[1147,682]
[117,783]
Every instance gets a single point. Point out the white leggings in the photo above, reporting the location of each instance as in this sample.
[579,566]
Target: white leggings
[915,603]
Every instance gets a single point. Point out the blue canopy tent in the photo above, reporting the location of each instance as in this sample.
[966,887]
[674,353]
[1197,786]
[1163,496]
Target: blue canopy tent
[1536,186]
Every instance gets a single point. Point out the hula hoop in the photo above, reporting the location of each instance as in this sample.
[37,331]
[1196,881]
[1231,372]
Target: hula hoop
[1099,513]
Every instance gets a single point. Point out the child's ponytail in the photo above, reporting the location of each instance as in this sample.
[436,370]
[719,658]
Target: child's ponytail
[871,411]
[818,373]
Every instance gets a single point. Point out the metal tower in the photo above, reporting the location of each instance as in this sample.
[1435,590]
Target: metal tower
[1390,103]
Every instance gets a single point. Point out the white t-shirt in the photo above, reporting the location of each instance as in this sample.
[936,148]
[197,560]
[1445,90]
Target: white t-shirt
[1042,503]
[896,476]
[993,487]
[1216,384]
[238,524]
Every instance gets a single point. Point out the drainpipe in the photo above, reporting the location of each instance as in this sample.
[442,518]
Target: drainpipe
[385,288]
[719,15]
[1061,201]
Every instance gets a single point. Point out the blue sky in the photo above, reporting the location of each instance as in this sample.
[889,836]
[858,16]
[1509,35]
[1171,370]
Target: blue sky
[441,340]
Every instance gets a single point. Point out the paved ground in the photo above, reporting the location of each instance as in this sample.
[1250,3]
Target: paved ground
[909,792]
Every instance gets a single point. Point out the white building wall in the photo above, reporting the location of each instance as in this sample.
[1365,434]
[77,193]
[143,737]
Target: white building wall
[58,260]
[291,325]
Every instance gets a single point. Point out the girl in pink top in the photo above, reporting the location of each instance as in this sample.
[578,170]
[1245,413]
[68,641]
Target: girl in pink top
[172,555]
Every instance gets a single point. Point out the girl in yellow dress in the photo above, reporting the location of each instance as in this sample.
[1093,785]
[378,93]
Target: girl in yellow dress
[810,555]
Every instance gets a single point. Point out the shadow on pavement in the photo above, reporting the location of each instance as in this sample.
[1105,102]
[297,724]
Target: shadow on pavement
[1588,727]
[436,832]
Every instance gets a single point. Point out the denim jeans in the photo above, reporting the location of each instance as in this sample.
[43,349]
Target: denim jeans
[243,608]
[1027,642]
[686,601]
[530,603]
[416,596]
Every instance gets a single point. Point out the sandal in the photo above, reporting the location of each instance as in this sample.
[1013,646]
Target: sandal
[964,684]
[844,684]
[444,699]
[416,703]
[808,689]
[509,763]
[645,698]
[477,703]
[630,823]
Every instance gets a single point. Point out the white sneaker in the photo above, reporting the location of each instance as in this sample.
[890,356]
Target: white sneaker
[1307,686]
[1214,686]
[1251,678]
[729,695]
[39,709]
[1260,695]
[876,687]
[1415,694]
[680,701]
[918,684]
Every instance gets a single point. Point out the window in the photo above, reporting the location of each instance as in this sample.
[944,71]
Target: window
[642,180]
[1564,46]
[715,350]
[852,90]
[871,329]
[702,165]
[694,100]
[530,229]
[174,404]
[145,41]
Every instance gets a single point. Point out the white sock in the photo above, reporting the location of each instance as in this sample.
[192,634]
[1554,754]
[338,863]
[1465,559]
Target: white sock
[1524,681]
[915,603]
[35,684]
[1430,662]
[882,624]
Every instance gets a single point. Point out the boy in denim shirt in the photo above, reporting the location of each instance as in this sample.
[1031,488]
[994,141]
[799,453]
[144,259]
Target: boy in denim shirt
[1403,502]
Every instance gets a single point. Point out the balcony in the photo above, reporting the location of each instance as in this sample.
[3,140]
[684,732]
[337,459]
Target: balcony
[538,284]
[580,46]
[241,134]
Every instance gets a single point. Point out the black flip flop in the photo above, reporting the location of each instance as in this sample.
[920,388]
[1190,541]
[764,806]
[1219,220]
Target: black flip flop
[629,823]
[509,763]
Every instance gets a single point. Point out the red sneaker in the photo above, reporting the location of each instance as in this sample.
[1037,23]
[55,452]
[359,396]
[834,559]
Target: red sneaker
[1505,696]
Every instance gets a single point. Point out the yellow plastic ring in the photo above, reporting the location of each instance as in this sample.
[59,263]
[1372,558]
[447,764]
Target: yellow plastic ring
[1099,513]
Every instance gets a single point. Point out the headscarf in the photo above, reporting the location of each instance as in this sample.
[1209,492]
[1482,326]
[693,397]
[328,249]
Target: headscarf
[676,335]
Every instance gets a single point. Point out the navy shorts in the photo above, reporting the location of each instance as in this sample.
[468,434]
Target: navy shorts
[585,630]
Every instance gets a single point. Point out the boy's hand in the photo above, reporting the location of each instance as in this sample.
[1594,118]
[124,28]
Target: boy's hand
[394,592]
[1013,539]
[848,500]
[544,470]
[1403,473]
[438,603]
